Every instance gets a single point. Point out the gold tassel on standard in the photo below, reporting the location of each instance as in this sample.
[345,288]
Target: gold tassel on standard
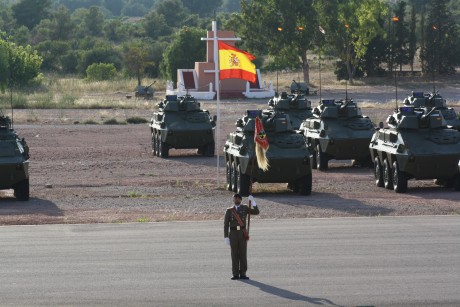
[262,160]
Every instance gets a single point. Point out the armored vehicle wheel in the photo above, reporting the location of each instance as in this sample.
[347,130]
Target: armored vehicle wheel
[243,182]
[314,163]
[457,183]
[158,141]
[229,176]
[154,144]
[21,190]
[234,174]
[378,173]
[387,180]
[163,149]
[209,150]
[305,184]
[399,179]
[293,186]
[321,159]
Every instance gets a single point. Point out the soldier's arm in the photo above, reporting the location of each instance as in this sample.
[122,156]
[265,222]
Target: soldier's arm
[226,223]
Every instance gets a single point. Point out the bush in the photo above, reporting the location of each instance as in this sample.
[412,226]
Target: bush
[113,121]
[136,120]
[101,72]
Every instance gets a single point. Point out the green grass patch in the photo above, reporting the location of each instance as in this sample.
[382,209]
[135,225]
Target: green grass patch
[134,194]
[143,220]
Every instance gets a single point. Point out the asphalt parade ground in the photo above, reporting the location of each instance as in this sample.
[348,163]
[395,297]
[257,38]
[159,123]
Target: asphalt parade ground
[379,261]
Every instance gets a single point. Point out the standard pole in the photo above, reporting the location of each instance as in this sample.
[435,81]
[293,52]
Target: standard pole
[216,74]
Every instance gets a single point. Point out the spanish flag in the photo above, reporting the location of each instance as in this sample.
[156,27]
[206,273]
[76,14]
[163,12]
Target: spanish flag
[236,63]
[261,142]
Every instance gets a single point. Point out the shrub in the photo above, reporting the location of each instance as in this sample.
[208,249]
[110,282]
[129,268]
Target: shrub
[113,121]
[136,120]
[101,72]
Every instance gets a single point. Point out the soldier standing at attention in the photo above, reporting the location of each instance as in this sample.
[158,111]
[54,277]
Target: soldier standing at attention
[236,236]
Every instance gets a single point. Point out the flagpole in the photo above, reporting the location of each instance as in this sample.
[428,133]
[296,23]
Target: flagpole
[216,72]
[216,76]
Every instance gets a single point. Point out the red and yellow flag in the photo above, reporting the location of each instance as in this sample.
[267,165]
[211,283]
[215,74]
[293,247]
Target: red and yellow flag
[236,63]
[261,142]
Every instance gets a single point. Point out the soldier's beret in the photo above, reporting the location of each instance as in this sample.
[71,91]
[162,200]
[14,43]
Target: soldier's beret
[238,195]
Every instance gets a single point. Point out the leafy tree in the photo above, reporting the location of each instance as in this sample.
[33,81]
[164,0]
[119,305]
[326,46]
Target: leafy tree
[136,59]
[134,9]
[103,53]
[94,21]
[350,27]
[173,11]
[62,25]
[23,64]
[155,25]
[30,12]
[4,67]
[285,28]
[412,37]
[400,36]
[185,49]
[101,72]
[7,21]
[231,6]
[115,6]
[51,51]
[442,40]
[202,7]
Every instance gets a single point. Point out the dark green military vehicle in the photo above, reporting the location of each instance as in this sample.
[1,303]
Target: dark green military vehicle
[338,131]
[180,123]
[417,144]
[297,106]
[14,160]
[434,100]
[289,157]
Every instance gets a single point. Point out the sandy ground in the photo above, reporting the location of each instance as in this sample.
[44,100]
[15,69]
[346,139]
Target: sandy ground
[106,173]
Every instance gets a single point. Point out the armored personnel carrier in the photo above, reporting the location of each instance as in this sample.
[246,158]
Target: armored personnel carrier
[289,157]
[417,144]
[297,106]
[14,160]
[180,123]
[423,101]
[338,131]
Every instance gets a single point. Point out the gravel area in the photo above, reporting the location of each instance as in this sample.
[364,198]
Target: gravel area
[106,173]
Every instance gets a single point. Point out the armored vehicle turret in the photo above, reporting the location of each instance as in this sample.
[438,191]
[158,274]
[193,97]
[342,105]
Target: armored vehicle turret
[145,91]
[426,102]
[338,131]
[297,106]
[14,160]
[288,156]
[180,123]
[417,144]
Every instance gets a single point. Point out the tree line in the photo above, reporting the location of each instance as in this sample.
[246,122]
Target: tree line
[367,37]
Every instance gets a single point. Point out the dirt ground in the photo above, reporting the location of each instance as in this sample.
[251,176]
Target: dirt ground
[107,174]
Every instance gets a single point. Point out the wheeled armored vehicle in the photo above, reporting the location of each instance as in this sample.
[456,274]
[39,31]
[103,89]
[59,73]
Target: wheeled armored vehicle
[420,101]
[338,130]
[297,106]
[289,157]
[180,123]
[14,161]
[417,144]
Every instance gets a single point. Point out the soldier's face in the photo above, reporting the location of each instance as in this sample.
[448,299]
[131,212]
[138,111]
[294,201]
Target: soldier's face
[237,200]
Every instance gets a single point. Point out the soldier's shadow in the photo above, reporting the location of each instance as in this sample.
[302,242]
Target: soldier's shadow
[288,294]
